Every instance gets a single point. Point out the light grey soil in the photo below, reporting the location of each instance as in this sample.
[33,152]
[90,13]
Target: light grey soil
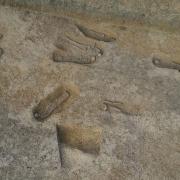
[145,147]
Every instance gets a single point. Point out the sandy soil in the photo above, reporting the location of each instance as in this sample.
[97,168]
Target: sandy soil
[145,146]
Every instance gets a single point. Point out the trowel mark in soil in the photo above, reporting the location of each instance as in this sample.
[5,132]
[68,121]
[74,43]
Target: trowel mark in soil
[125,108]
[165,64]
[51,103]
[59,146]
[59,57]
[123,28]
[1,52]
[1,36]
[95,35]
[86,139]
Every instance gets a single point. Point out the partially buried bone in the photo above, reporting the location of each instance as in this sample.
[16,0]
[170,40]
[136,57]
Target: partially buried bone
[93,50]
[165,63]
[125,108]
[95,35]
[87,139]
[55,102]
[67,44]
[51,103]
[59,57]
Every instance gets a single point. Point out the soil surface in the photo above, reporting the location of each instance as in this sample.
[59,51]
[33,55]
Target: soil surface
[143,146]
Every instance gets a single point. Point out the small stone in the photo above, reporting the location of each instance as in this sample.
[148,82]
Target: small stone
[93,58]
[99,54]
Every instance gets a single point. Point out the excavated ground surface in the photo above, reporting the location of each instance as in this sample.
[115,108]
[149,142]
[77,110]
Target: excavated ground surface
[146,146]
